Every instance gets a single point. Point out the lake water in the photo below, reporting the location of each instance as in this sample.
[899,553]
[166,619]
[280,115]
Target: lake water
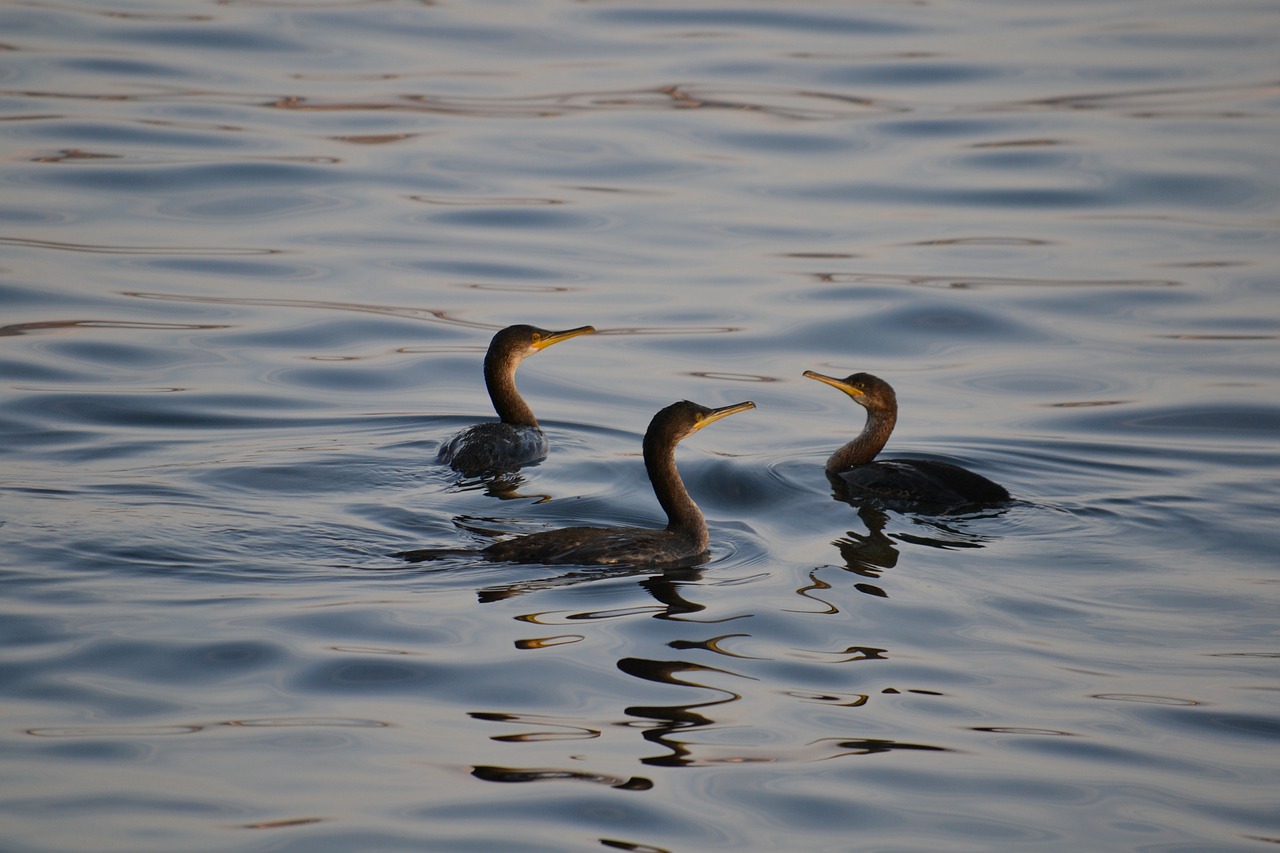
[252,253]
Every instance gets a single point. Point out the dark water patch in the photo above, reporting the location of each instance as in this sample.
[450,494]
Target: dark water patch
[608,812]
[487,201]
[163,411]
[277,268]
[109,804]
[414,30]
[124,67]
[1200,420]
[1046,197]
[357,629]
[1220,723]
[89,447]
[524,219]
[1062,389]
[92,751]
[151,179]
[146,493]
[734,488]
[189,664]
[1107,750]
[1076,190]
[616,165]
[28,437]
[1195,190]
[381,675]
[792,20]
[785,104]
[488,270]
[959,127]
[131,249]
[354,373]
[107,355]
[911,71]
[1022,159]
[29,631]
[326,837]
[1170,101]
[427,314]
[349,332]
[207,36]
[32,216]
[29,371]
[306,722]
[72,687]
[788,805]
[560,265]
[773,232]
[20,23]
[788,143]
[872,285]
[253,205]
[913,329]
[507,288]
[311,477]
[1170,38]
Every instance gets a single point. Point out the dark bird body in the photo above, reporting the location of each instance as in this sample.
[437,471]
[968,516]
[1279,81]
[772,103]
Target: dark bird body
[515,439]
[683,542]
[925,483]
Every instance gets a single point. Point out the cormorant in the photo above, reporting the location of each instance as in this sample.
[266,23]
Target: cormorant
[683,542]
[515,439]
[937,485]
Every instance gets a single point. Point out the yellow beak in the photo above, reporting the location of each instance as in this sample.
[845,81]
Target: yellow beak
[724,412]
[557,337]
[835,383]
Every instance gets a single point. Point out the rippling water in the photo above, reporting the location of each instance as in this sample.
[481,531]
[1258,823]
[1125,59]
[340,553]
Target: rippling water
[251,254]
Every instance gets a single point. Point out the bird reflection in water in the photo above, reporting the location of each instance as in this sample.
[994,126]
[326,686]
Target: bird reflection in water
[664,586]
[504,486]
[869,554]
[675,727]
[490,773]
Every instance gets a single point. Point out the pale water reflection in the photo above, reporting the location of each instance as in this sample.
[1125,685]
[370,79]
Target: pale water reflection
[251,255]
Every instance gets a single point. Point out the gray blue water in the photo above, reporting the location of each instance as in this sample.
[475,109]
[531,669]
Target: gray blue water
[252,253]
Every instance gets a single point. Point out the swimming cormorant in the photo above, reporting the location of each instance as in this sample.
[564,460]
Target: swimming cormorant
[921,482]
[515,439]
[683,542]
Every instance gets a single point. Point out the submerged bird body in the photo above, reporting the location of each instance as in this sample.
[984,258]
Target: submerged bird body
[682,542]
[515,439]
[922,481]
[854,469]
[493,447]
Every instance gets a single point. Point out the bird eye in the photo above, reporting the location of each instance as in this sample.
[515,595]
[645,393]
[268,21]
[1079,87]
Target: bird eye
[536,337]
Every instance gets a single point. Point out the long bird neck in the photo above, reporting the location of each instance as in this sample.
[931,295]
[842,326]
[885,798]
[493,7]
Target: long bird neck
[868,443]
[683,515]
[500,379]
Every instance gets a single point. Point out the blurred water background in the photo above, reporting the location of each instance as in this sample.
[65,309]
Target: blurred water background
[252,252]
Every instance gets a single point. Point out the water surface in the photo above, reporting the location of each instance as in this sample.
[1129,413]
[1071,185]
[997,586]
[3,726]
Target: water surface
[251,255]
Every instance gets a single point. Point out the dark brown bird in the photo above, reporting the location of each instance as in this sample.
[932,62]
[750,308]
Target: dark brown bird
[922,482]
[515,439]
